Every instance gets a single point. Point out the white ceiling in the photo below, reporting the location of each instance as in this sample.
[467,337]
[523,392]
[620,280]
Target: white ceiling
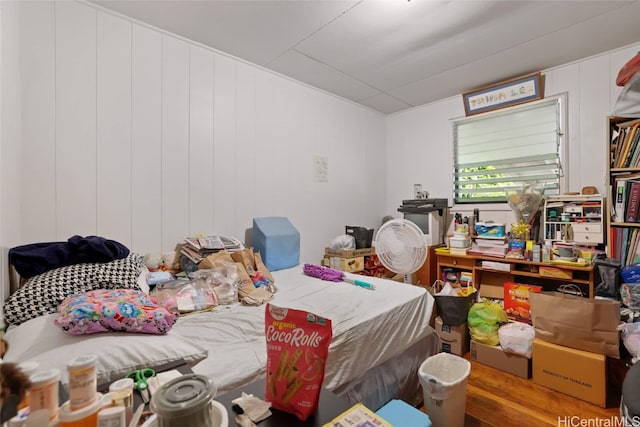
[394,54]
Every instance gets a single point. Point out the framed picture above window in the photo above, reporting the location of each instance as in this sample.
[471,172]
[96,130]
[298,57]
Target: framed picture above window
[502,151]
[504,94]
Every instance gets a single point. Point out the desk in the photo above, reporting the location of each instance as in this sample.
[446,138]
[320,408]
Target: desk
[518,270]
[329,407]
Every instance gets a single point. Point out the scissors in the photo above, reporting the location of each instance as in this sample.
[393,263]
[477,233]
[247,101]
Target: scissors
[140,378]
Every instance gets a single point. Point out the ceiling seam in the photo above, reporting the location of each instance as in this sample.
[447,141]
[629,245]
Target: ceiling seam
[354,78]
[312,33]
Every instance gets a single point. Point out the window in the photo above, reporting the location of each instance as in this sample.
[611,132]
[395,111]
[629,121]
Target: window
[499,152]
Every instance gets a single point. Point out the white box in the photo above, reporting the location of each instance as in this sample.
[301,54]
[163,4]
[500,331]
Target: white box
[499,266]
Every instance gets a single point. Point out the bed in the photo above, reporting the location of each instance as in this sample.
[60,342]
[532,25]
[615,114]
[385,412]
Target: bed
[380,337]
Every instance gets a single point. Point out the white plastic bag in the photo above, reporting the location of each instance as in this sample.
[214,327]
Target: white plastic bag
[517,338]
[343,241]
[631,339]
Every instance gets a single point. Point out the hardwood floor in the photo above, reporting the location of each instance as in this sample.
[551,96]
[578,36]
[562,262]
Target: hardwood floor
[497,398]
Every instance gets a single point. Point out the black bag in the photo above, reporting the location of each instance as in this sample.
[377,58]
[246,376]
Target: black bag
[608,282]
[453,310]
[363,236]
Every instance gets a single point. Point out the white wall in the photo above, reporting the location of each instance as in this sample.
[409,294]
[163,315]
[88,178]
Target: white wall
[9,133]
[420,145]
[114,128]
[137,135]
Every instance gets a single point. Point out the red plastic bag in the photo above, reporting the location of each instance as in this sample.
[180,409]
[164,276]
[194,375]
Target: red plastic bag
[297,349]
[628,70]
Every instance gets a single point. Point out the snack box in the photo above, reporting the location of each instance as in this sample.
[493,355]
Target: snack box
[350,265]
[489,229]
[516,301]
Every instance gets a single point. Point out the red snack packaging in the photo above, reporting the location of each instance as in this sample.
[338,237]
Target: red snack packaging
[297,349]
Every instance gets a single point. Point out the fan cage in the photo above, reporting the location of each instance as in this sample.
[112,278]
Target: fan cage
[401,246]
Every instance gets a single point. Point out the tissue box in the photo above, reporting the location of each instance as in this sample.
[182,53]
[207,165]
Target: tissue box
[489,229]
[278,242]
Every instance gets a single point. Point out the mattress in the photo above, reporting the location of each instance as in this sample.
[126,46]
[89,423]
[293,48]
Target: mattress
[228,344]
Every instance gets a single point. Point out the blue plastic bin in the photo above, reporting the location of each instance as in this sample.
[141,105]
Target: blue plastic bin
[278,242]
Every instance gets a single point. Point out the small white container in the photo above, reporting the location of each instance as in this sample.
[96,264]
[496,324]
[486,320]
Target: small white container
[43,393]
[113,416]
[29,367]
[459,242]
[82,381]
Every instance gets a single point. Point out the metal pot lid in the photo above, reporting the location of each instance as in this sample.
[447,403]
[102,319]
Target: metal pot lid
[183,396]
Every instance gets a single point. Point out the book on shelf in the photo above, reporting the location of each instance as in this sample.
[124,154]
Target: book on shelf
[623,155]
[633,204]
[621,199]
[633,151]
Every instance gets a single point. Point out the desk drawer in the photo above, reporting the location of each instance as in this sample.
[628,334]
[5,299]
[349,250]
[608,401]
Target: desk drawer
[456,261]
[590,238]
[586,227]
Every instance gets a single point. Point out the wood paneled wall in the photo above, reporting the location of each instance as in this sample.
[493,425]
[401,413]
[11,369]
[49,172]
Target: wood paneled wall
[135,134]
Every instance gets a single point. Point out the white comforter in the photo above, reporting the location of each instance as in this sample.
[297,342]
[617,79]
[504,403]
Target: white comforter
[369,327]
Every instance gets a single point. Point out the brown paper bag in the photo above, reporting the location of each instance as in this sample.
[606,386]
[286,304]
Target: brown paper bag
[578,322]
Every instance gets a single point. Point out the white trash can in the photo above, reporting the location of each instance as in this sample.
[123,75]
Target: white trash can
[443,377]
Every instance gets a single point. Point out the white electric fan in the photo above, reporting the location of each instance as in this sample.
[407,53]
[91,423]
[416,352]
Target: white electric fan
[401,247]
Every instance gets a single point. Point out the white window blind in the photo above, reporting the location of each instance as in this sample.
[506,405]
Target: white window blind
[500,152]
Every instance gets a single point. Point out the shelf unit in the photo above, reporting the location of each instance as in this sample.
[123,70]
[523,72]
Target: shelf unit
[623,168]
[574,218]
[490,281]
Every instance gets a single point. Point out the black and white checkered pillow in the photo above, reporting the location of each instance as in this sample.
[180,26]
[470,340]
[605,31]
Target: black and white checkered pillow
[42,294]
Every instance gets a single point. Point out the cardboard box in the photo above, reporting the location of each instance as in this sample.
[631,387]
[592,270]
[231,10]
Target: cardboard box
[495,357]
[453,339]
[350,265]
[349,253]
[490,290]
[516,301]
[577,373]
[555,272]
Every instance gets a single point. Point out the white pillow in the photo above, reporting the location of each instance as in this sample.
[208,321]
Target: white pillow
[118,353]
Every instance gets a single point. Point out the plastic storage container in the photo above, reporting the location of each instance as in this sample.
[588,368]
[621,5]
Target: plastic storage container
[185,401]
[444,386]
[489,229]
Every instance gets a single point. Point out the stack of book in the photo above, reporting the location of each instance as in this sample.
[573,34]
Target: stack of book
[489,246]
[197,248]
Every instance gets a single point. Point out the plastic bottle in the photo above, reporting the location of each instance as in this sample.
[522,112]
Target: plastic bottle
[43,393]
[28,368]
[122,395]
[546,253]
[82,381]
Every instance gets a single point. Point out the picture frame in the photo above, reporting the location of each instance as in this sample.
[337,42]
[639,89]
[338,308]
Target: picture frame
[504,94]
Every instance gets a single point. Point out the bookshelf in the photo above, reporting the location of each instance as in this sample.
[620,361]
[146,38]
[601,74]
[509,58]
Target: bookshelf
[623,184]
